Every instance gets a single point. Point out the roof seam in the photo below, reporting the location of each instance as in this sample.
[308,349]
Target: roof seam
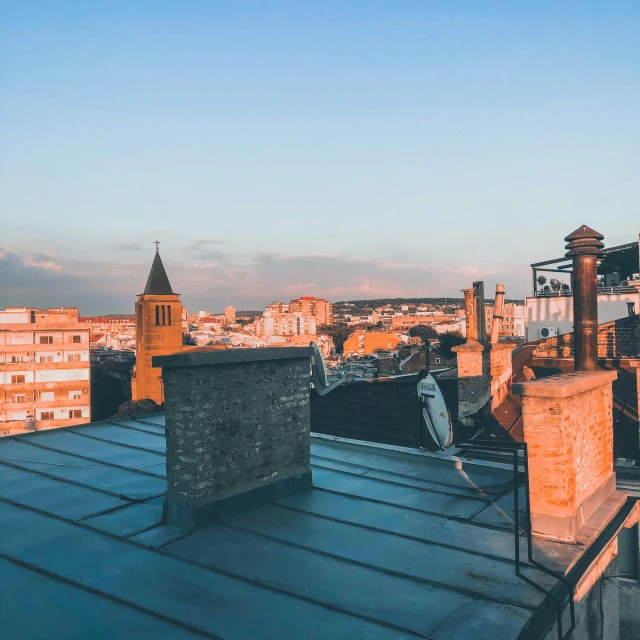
[396,574]
[141,471]
[107,596]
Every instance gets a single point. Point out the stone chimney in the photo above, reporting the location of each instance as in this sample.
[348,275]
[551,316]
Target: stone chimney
[237,429]
[484,369]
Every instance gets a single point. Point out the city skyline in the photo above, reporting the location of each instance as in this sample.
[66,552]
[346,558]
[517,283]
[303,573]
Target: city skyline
[308,149]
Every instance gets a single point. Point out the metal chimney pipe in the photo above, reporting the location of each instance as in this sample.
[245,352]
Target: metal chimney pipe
[585,247]
[498,308]
[470,315]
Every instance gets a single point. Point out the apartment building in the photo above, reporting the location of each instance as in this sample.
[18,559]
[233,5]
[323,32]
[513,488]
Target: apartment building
[512,324]
[368,342]
[320,308]
[285,324]
[229,315]
[44,369]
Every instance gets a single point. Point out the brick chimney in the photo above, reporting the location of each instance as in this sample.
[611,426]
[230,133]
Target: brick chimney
[568,419]
[237,429]
[568,427]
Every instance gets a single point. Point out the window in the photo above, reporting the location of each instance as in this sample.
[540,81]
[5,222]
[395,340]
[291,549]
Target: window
[76,339]
[18,397]
[17,358]
[46,339]
[163,316]
[437,360]
[46,415]
[73,357]
[75,413]
[75,395]
[169,312]
[45,359]
[17,379]
[157,315]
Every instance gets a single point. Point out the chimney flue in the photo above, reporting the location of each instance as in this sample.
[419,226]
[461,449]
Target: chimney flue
[498,307]
[585,247]
[470,315]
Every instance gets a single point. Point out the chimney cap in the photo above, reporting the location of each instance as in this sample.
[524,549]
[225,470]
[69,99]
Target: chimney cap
[584,241]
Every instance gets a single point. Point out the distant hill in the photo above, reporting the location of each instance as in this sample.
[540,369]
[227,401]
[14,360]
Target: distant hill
[358,306]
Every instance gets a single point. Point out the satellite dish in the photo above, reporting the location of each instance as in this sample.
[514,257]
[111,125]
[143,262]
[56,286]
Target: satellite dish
[319,373]
[434,412]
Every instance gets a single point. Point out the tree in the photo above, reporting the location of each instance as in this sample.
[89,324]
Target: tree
[138,407]
[423,331]
[339,332]
[541,280]
[448,340]
[188,340]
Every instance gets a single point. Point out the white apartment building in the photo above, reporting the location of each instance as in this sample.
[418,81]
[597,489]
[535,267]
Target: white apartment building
[285,324]
[229,315]
[44,369]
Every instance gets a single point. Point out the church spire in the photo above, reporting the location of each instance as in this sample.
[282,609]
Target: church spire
[158,282]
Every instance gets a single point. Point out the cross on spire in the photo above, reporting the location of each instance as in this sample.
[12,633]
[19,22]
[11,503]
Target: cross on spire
[157,242]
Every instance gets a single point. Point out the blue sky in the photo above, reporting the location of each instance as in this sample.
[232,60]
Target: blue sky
[287,148]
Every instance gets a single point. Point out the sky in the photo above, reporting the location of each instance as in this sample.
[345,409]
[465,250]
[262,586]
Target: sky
[279,149]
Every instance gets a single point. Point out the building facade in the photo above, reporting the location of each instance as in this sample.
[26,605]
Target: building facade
[229,315]
[158,332]
[44,369]
[320,308]
[285,324]
[512,324]
[368,342]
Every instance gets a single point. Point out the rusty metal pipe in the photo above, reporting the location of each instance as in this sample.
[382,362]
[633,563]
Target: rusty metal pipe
[498,308]
[585,247]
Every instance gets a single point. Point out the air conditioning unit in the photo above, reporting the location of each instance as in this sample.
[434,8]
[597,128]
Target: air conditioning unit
[548,332]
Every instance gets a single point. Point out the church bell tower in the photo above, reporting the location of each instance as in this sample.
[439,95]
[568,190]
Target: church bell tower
[158,331]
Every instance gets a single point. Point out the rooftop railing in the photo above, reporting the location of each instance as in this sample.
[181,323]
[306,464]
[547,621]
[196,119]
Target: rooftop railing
[564,293]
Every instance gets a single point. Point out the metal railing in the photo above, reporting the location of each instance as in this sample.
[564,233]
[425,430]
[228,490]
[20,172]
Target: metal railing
[563,293]
[514,448]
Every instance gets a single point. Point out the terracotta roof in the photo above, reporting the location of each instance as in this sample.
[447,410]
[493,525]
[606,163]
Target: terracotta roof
[158,282]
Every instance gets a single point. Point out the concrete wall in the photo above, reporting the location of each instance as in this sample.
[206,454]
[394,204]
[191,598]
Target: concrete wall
[597,612]
[557,311]
[236,421]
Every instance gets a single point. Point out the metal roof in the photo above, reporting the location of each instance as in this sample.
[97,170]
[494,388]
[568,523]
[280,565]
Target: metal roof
[390,543]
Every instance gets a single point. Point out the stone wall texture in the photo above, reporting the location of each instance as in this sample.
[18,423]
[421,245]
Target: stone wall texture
[235,427]
[484,376]
[616,339]
[568,427]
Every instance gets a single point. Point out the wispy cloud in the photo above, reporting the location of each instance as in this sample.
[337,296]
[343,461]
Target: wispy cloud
[129,246]
[199,245]
[245,280]
[42,261]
